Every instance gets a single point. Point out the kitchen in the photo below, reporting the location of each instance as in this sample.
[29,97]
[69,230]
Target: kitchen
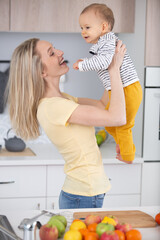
[75,84]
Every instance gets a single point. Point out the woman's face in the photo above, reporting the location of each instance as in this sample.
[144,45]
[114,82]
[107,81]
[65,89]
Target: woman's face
[52,59]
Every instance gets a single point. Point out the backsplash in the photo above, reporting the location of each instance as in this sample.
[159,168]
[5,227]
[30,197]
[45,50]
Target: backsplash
[5,125]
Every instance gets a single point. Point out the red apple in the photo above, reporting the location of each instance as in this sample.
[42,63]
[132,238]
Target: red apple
[109,235]
[124,227]
[92,219]
[48,233]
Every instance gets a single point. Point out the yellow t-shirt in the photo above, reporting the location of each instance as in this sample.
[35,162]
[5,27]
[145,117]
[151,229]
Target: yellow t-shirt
[77,144]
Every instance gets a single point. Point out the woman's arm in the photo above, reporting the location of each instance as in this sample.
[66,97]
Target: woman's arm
[93,102]
[116,114]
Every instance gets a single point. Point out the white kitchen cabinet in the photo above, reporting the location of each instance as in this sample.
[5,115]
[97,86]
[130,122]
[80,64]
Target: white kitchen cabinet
[22,186]
[125,180]
[55,180]
[126,185]
[151,184]
[126,200]
[63,16]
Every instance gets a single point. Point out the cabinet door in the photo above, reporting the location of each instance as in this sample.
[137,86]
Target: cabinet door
[55,180]
[125,178]
[152,33]
[121,200]
[4,15]
[151,184]
[22,181]
[124,14]
[45,16]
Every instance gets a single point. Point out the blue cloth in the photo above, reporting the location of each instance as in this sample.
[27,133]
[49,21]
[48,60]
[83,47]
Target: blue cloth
[70,201]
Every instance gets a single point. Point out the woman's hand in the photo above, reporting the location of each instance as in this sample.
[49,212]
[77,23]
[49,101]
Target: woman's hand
[118,56]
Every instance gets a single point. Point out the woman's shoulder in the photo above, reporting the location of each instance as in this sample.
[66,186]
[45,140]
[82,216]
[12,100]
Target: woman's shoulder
[58,103]
[70,97]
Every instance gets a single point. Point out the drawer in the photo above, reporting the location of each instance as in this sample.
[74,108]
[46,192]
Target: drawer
[22,204]
[55,180]
[22,181]
[121,201]
[125,178]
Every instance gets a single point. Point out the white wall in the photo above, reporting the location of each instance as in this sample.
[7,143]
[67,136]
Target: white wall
[85,84]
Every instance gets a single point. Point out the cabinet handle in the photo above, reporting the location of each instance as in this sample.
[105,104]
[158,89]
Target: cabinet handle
[38,206]
[7,182]
[53,205]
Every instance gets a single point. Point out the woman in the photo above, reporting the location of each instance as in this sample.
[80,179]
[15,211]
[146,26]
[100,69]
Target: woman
[35,98]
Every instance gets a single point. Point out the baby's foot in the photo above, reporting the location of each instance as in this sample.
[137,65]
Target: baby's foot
[119,157]
[117,148]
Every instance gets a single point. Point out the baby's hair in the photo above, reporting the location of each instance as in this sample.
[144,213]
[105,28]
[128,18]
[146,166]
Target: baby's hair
[104,11]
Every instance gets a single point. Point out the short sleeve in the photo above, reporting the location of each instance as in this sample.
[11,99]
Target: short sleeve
[58,110]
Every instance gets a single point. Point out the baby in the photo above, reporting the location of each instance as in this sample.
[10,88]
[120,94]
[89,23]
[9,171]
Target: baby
[96,22]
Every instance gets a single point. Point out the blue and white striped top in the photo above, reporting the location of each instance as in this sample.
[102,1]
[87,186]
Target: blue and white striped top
[103,52]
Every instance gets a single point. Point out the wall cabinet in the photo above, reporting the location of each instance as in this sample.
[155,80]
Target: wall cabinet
[124,14]
[45,16]
[4,15]
[62,15]
[152,57]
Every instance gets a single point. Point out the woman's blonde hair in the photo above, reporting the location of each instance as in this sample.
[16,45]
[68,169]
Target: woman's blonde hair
[104,11]
[25,89]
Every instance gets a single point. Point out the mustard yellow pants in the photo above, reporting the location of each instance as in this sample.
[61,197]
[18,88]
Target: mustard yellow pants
[123,134]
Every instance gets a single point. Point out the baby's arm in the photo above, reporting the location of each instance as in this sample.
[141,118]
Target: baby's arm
[75,65]
[100,61]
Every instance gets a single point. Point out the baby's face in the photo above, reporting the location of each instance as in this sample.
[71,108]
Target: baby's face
[91,26]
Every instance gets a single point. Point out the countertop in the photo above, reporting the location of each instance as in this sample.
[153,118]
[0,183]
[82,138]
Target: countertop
[147,233]
[47,154]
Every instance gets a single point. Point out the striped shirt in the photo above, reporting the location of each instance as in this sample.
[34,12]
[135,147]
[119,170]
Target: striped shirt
[103,52]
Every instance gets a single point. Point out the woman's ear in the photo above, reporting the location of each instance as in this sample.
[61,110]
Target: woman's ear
[44,72]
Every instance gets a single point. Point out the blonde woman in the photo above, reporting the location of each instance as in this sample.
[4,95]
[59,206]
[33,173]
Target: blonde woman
[35,99]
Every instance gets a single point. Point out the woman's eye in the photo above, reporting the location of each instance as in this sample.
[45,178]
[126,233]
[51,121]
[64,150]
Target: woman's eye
[52,53]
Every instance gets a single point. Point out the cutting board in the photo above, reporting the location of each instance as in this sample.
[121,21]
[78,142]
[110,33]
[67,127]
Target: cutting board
[136,218]
[26,152]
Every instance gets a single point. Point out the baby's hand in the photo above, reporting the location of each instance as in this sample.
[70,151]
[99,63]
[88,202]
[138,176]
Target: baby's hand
[75,65]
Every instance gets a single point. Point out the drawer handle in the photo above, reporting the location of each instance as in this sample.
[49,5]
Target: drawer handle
[7,182]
